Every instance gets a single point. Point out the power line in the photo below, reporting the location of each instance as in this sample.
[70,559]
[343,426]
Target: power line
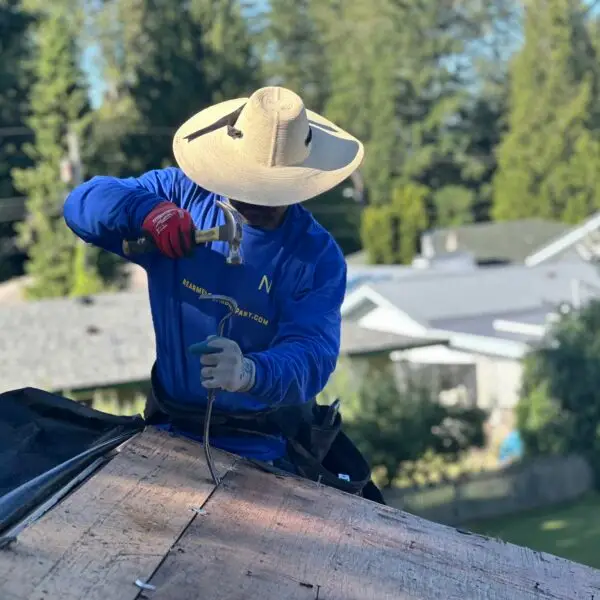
[140,131]
[16,131]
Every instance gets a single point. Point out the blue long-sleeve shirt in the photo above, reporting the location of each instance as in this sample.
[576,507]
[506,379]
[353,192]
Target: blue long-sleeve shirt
[289,289]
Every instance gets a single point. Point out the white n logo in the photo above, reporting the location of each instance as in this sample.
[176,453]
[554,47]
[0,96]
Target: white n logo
[265,281]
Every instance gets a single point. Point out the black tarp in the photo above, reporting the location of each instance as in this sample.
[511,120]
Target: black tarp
[46,440]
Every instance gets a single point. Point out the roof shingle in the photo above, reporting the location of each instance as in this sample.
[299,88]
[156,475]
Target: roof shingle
[69,344]
[484,291]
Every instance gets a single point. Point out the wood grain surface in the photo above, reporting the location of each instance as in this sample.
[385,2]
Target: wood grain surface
[258,536]
[114,529]
[274,538]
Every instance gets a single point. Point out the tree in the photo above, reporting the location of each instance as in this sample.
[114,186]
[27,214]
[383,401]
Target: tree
[15,83]
[341,216]
[363,93]
[409,89]
[86,279]
[58,101]
[293,49]
[559,409]
[453,205]
[392,426]
[162,62]
[549,159]
[391,233]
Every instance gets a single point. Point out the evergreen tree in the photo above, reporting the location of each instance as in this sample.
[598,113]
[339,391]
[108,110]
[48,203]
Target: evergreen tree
[363,96]
[410,91]
[14,89]
[391,232]
[453,205]
[58,101]
[549,160]
[15,83]
[162,62]
[293,49]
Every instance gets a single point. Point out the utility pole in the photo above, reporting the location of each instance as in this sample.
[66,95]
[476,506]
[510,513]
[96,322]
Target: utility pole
[71,169]
[74,157]
[357,191]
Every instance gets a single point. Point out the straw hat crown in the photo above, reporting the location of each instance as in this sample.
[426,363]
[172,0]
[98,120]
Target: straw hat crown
[267,149]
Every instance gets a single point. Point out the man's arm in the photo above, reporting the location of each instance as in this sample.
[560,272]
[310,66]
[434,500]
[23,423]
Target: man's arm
[105,210]
[304,353]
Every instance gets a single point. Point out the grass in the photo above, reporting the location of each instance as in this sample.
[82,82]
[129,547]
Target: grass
[571,530]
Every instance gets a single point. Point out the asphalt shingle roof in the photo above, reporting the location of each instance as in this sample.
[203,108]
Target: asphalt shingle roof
[484,324]
[68,344]
[507,241]
[357,340]
[484,291]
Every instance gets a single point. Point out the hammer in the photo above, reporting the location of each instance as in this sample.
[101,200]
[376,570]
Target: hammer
[230,232]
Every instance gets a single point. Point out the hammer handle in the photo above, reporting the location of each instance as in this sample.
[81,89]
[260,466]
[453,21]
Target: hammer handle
[145,243]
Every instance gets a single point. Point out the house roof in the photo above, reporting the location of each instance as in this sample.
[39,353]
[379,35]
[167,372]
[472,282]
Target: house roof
[357,258]
[13,290]
[359,275]
[490,324]
[565,241]
[357,341]
[439,296]
[69,344]
[506,241]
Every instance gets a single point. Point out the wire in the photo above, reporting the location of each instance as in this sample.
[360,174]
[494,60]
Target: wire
[18,131]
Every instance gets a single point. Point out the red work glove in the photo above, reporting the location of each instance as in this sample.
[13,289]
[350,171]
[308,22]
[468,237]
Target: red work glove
[171,228]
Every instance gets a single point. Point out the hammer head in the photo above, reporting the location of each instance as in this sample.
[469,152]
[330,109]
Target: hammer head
[233,232]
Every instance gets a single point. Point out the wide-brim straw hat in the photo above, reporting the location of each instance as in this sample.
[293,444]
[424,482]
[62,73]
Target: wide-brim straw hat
[267,150]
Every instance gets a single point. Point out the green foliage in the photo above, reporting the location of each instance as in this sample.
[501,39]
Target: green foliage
[549,160]
[339,215]
[15,83]
[293,49]
[407,94]
[390,233]
[559,410]
[162,62]
[58,100]
[86,280]
[392,426]
[453,205]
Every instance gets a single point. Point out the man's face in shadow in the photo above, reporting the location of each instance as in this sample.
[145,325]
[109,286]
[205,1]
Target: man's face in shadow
[262,217]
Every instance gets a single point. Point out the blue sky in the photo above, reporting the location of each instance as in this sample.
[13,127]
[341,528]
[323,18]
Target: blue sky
[93,75]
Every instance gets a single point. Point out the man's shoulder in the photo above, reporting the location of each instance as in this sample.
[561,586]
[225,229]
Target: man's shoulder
[178,178]
[318,241]
[323,236]
[184,191]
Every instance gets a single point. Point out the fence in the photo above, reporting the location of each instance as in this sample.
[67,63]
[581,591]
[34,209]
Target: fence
[540,482]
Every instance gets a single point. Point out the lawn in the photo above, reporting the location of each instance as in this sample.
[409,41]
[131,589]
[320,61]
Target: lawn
[569,530]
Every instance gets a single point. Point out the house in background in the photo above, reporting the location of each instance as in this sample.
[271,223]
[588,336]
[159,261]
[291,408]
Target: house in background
[96,349]
[490,290]
[581,241]
[490,318]
[493,243]
[485,244]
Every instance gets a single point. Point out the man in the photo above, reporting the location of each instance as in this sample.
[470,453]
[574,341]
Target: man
[266,154]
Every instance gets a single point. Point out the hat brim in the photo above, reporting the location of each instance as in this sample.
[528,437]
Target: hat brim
[213,161]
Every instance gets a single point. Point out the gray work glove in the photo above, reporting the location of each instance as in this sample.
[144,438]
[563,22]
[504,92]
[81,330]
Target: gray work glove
[224,365]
